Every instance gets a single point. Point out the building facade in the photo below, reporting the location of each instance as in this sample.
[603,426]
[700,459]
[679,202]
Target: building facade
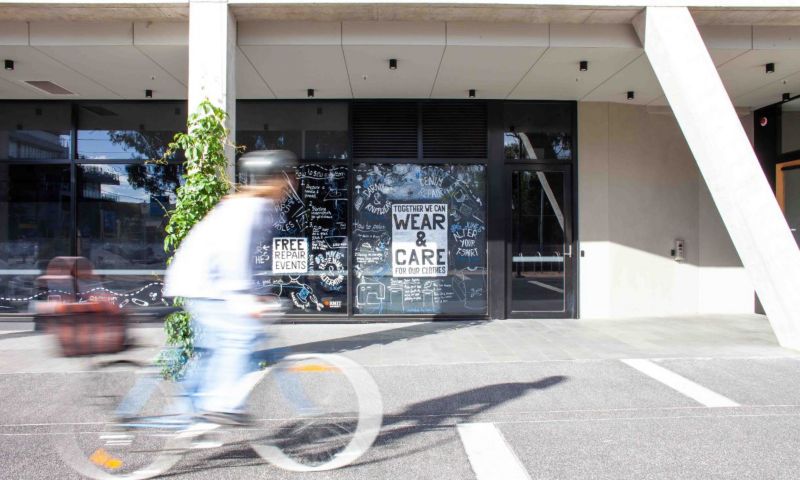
[459,159]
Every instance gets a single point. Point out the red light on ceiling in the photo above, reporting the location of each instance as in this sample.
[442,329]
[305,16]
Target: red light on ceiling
[763,122]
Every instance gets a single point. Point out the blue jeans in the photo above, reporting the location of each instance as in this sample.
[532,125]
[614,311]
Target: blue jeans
[224,342]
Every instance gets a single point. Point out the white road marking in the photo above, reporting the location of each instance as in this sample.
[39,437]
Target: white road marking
[544,285]
[683,385]
[489,453]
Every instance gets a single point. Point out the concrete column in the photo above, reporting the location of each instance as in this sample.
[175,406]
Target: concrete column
[212,55]
[727,162]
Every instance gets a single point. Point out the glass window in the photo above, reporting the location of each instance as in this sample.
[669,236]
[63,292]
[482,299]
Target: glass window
[128,131]
[419,235]
[312,130]
[790,126]
[34,227]
[122,213]
[310,226]
[34,130]
[538,131]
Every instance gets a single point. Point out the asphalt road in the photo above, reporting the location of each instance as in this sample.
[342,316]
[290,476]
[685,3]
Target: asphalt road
[562,419]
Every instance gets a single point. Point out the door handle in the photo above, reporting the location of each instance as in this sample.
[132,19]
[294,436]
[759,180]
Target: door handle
[568,253]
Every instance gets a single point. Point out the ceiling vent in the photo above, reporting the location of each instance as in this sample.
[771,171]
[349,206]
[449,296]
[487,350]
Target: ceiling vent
[49,87]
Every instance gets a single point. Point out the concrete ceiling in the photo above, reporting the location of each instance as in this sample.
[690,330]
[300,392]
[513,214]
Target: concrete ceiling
[120,60]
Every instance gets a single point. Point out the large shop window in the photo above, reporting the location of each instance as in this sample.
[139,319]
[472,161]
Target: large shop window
[121,218]
[34,131]
[419,234]
[35,208]
[128,131]
[306,262]
[122,213]
[538,131]
[312,130]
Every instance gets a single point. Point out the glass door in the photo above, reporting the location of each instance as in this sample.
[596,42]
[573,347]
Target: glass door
[787,181]
[540,279]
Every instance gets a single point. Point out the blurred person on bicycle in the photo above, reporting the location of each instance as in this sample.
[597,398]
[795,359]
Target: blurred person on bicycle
[213,272]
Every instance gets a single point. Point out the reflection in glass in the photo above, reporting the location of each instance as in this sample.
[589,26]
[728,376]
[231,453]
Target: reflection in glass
[312,130]
[34,227]
[537,241]
[315,210]
[385,248]
[538,131]
[30,130]
[121,213]
[35,208]
[791,199]
[790,126]
[128,131]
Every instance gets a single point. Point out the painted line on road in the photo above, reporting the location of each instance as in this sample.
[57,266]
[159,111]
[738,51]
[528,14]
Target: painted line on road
[489,454]
[544,285]
[682,384]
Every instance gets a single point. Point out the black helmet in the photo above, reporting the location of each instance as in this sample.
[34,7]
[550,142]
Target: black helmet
[260,164]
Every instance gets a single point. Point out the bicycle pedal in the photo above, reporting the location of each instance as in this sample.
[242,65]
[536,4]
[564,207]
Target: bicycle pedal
[116,439]
[198,430]
[206,441]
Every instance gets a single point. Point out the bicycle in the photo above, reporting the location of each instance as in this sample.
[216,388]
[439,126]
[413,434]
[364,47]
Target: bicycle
[313,412]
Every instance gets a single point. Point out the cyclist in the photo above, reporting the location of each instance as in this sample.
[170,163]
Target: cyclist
[212,271]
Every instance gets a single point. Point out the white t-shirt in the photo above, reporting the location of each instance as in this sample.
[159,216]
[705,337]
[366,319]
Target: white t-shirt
[215,259]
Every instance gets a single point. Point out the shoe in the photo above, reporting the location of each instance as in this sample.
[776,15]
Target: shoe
[232,419]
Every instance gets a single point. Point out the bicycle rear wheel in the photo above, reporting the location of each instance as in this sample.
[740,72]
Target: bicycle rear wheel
[121,422]
[315,412]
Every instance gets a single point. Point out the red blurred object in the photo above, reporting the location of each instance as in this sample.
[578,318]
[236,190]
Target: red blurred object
[83,324]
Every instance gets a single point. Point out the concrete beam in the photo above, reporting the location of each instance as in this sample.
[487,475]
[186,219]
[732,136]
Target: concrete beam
[212,56]
[727,162]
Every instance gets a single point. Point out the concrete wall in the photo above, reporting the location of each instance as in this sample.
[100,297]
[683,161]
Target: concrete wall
[639,190]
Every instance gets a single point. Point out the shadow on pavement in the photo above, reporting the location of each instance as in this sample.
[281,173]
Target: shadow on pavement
[357,342]
[433,414]
[449,410]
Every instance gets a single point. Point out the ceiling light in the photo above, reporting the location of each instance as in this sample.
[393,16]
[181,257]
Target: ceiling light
[787,96]
[631,95]
[584,66]
[471,93]
[392,64]
[770,68]
[148,93]
[9,64]
[310,93]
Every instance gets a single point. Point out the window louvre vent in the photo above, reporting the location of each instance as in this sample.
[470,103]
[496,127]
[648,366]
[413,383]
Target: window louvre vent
[384,130]
[454,130]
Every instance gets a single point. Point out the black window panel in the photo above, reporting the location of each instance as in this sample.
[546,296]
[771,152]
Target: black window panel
[34,130]
[34,227]
[128,131]
[454,130]
[312,130]
[538,131]
[122,213]
[790,126]
[385,130]
[383,255]
[315,209]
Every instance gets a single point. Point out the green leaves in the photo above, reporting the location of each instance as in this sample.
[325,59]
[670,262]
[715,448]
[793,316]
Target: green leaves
[205,183]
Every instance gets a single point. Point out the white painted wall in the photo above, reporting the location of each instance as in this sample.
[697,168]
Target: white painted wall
[639,190]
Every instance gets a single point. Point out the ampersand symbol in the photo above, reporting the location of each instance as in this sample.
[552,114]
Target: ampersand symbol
[421,239]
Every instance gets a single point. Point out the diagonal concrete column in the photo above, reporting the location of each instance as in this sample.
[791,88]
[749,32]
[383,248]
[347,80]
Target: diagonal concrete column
[212,55]
[727,162]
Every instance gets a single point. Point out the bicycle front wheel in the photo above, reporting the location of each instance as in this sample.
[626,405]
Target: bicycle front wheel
[121,422]
[315,412]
